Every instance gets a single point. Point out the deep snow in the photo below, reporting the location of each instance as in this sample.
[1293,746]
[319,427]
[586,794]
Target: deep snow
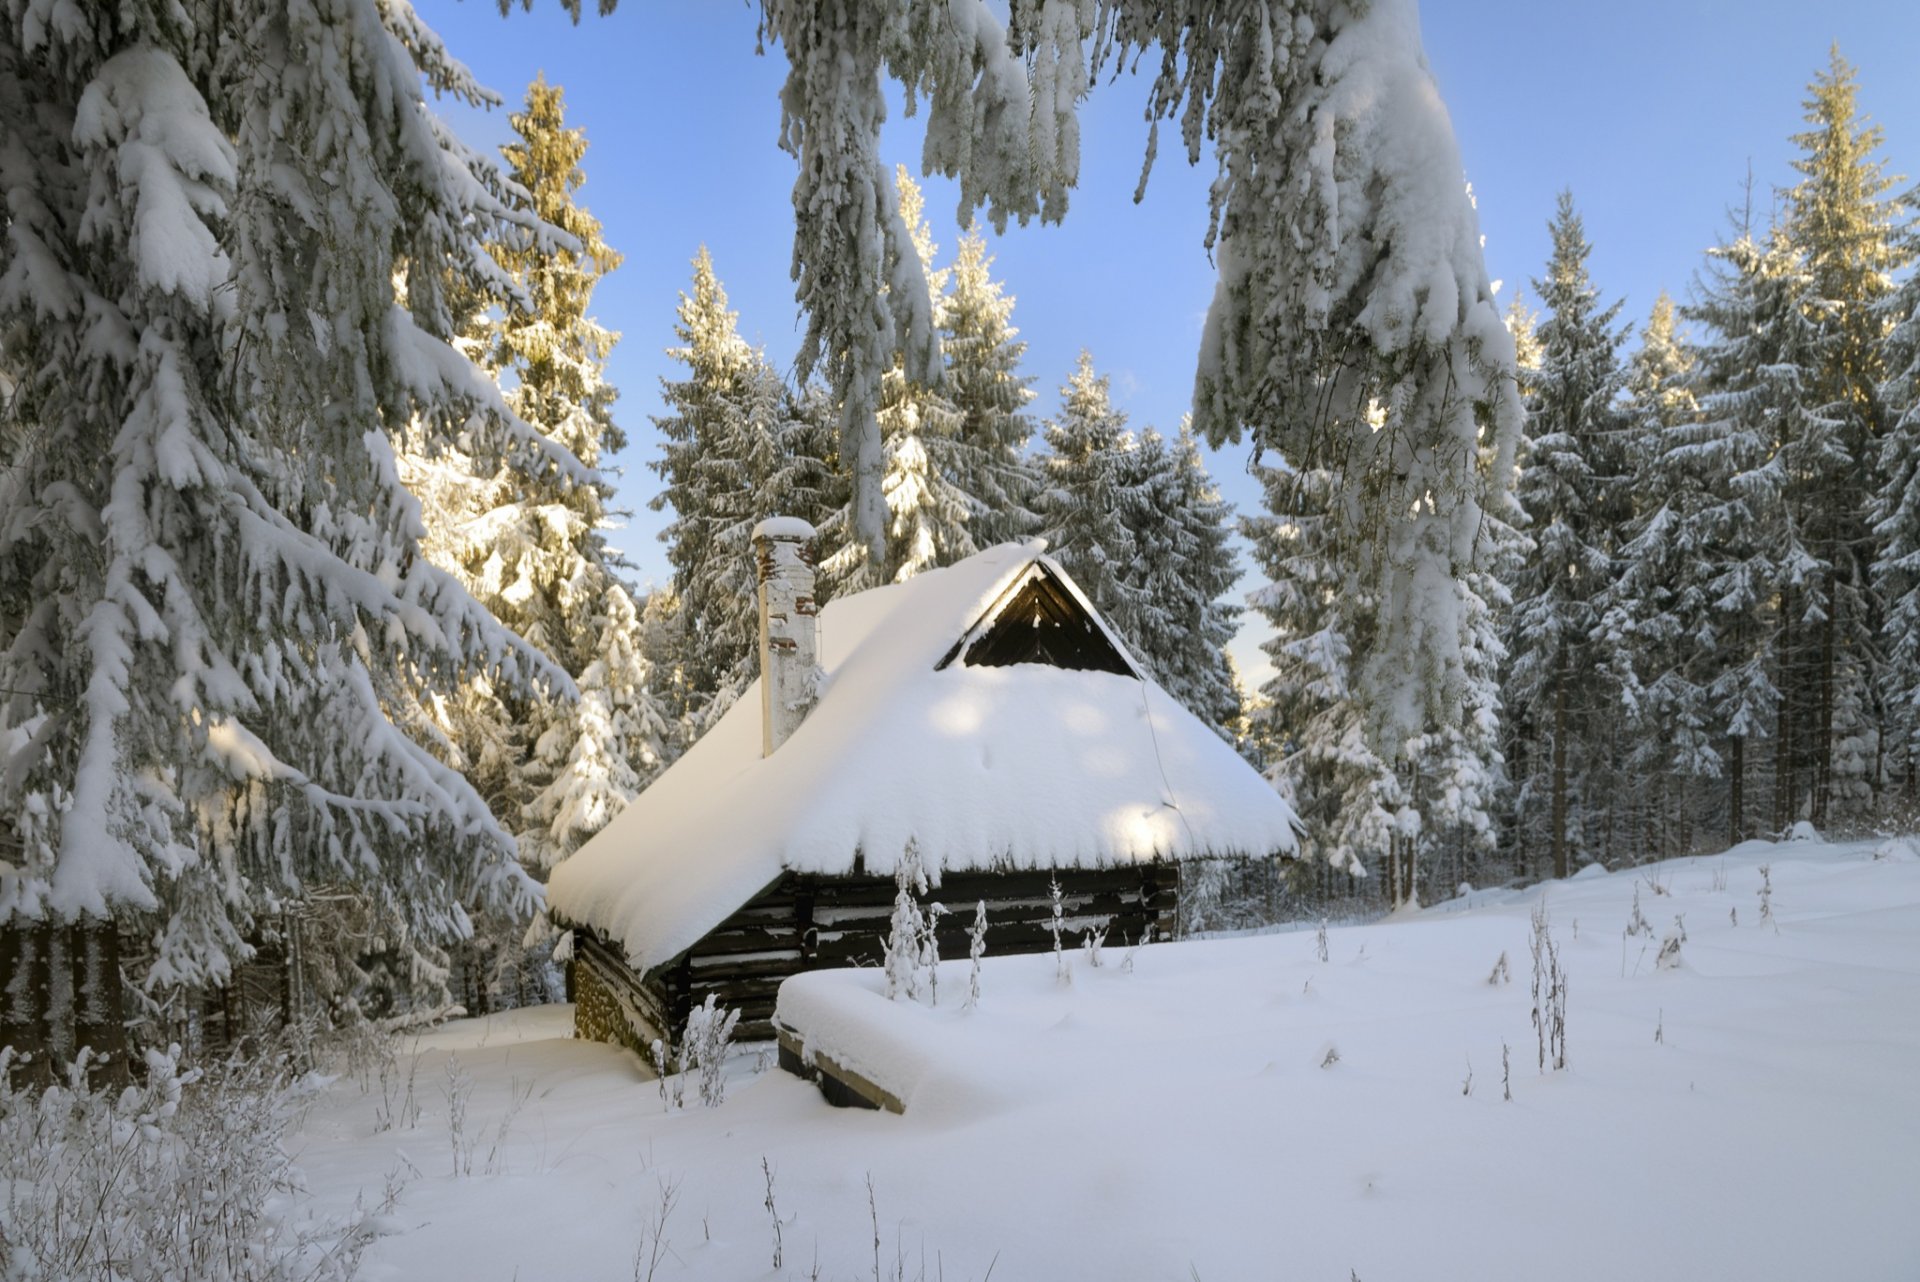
[1181,1120]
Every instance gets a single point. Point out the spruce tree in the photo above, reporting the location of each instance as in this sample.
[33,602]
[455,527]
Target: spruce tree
[1896,528]
[1842,222]
[213,609]
[1349,797]
[738,447]
[1089,482]
[1564,676]
[928,512]
[1663,589]
[554,771]
[984,385]
[1763,446]
[1179,620]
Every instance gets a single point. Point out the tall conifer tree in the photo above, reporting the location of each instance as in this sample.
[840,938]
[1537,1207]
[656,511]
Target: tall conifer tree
[1841,220]
[982,351]
[1563,676]
[737,447]
[212,606]
[535,552]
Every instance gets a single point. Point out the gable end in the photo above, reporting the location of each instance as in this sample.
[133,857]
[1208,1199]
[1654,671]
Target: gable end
[1038,620]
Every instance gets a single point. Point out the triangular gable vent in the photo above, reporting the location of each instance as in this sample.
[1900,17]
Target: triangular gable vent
[1038,620]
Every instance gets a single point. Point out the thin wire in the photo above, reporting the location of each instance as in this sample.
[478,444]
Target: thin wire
[1193,842]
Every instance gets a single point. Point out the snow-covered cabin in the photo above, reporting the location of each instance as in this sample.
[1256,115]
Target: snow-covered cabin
[983,712]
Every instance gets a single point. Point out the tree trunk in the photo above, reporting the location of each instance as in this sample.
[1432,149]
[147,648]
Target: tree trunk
[1560,868]
[99,1007]
[1822,789]
[1784,801]
[26,999]
[1737,798]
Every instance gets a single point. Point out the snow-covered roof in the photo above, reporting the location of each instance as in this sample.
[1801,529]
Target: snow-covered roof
[1027,766]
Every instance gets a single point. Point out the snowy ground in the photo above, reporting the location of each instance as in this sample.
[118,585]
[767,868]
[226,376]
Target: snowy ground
[1183,1120]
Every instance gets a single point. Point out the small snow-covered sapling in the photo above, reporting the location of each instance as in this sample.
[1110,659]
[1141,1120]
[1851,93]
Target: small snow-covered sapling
[1320,940]
[661,1072]
[1057,924]
[904,932]
[1660,1028]
[1502,973]
[1466,1087]
[976,949]
[930,949]
[1506,1072]
[1766,895]
[1126,958]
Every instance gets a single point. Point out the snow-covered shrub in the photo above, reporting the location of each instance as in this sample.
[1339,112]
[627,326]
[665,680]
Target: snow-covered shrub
[1091,940]
[1905,850]
[1766,894]
[183,1178]
[703,1048]
[905,934]
[701,1054]
[1320,940]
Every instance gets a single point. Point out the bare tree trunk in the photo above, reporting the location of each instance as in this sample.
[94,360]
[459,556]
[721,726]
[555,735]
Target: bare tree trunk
[99,1007]
[1737,798]
[1822,788]
[1784,768]
[1560,868]
[26,998]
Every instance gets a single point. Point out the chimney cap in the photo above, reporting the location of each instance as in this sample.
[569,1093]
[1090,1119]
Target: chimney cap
[783,527]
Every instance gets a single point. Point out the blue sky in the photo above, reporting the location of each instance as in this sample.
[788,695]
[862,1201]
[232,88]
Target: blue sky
[1650,112]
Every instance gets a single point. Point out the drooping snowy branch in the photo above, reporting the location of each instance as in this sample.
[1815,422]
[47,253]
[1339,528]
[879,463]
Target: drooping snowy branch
[1353,329]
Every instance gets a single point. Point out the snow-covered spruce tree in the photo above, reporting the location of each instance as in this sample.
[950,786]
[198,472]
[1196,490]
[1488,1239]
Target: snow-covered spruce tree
[214,606]
[984,385]
[1333,149]
[737,447]
[1183,567]
[928,513]
[1841,220]
[1896,528]
[707,408]
[1761,444]
[534,551]
[1566,678]
[1088,477]
[1664,586]
[1348,797]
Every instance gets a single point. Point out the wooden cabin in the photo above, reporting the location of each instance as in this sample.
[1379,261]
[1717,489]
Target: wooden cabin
[984,713]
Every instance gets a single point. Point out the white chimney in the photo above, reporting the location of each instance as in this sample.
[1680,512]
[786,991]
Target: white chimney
[789,658]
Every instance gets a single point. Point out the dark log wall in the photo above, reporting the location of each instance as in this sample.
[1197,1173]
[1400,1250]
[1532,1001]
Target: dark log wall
[808,922]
